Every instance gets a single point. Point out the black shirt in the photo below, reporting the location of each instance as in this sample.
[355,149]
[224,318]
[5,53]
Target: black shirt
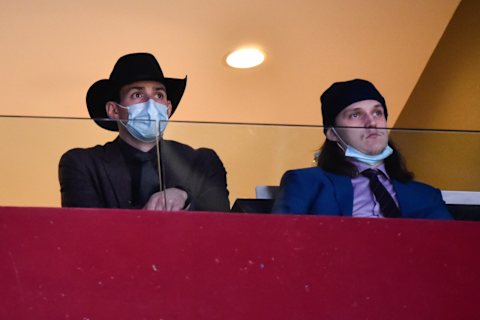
[131,156]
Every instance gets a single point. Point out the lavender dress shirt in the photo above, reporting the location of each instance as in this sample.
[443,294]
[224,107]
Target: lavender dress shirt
[364,203]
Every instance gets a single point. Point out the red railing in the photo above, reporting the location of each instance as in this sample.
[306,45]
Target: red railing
[126,264]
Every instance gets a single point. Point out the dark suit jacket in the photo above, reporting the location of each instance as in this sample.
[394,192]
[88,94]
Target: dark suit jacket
[315,191]
[99,177]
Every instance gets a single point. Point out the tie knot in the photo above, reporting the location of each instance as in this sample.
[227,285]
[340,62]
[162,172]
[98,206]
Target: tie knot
[370,173]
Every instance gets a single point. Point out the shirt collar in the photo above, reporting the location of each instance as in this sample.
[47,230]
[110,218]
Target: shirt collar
[129,152]
[361,166]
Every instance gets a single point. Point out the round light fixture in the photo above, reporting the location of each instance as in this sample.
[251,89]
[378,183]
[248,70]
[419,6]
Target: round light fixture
[245,58]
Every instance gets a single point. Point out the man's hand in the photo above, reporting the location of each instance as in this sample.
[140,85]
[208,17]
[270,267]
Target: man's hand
[171,199]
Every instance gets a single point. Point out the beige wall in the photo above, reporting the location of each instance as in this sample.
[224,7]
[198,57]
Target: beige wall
[447,96]
[53,50]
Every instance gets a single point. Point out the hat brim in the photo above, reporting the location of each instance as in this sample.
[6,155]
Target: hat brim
[106,90]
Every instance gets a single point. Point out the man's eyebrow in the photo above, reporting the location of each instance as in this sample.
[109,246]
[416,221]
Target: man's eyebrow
[351,110]
[135,88]
[160,88]
[379,105]
[142,88]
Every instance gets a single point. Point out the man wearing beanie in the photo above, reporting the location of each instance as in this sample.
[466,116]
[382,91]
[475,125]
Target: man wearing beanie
[360,173]
[130,172]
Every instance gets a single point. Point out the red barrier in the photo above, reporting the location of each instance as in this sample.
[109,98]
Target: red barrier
[125,264]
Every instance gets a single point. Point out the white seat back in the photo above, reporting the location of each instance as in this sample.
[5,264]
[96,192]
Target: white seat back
[449,196]
[266,192]
[461,197]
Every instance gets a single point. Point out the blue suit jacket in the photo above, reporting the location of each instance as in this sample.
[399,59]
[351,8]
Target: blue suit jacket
[315,191]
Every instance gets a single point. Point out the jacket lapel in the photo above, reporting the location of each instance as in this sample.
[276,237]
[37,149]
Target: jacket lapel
[403,194]
[343,192]
[117,172]
[175,167]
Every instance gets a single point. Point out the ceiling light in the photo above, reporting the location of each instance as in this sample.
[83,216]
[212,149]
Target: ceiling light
[245,58]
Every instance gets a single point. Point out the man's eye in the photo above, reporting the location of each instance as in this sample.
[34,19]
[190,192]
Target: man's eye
[137,95]
[354,115]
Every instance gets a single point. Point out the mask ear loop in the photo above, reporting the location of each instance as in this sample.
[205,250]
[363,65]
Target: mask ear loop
[122,121]
[341,143]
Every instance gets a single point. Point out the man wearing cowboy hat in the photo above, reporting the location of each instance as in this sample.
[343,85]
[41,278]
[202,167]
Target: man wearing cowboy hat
[138,100]
[360,173]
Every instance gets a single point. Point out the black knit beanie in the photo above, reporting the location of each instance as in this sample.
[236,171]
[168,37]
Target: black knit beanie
[342,94]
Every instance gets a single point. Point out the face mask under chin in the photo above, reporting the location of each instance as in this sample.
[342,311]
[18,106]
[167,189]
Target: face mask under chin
[367,158]
[356,154]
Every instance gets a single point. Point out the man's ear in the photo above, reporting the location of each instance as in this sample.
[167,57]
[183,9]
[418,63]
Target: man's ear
[112,110]
[331,135]
[169,108]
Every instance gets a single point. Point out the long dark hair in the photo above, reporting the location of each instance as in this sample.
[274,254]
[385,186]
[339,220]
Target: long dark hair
[332,158]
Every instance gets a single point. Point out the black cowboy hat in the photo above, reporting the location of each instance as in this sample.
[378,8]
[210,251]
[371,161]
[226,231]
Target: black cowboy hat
[129,68]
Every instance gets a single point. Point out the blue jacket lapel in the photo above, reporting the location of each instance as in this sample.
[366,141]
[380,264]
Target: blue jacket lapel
[344,191]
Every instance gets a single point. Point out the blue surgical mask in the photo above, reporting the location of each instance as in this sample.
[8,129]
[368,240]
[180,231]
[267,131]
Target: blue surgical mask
[360,156]
[367,158]
[154,116]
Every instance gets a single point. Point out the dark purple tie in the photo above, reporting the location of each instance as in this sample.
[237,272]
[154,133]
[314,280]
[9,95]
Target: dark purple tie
[387,204]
